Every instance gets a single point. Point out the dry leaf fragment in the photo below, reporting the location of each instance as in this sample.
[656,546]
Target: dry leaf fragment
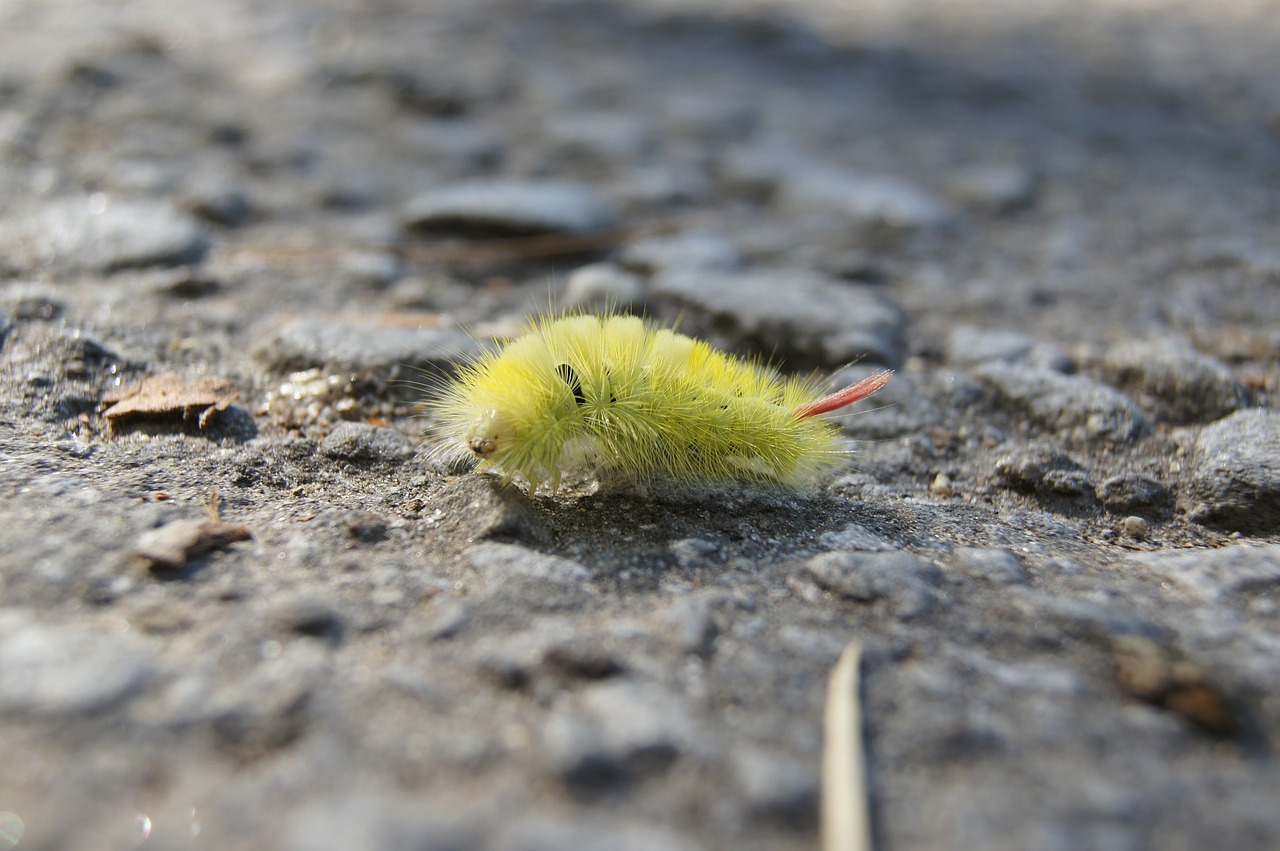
[174,544]
[164,396]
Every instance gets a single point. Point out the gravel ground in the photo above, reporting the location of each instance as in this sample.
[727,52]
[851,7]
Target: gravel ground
[241,607]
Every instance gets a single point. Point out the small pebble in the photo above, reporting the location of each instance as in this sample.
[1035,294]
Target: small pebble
[365,443]
[942,485]
[1135,527]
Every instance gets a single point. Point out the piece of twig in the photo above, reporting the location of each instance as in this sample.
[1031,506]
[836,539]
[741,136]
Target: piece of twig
[846,820]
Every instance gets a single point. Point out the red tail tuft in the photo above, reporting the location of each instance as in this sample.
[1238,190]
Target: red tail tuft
[847,396]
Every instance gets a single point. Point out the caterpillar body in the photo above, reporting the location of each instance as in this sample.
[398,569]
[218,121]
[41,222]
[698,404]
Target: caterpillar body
[614,393]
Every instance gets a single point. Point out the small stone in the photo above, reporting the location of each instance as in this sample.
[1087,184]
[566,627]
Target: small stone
[997,566]
[777,788]
[942,485]
[481,508]
[868,199]
[1217,575]
[510,207]
[1171,378]
[53,669]
[220,205]
[906,581]
[1072,405]
[601,139]
[644,727]
[968,345]
[310,615]
[1043,471]
[102,234]
[378,269]
[802,317]
[686,251]
[1126,494]
[1135,527]
[692,552]
[1234,480]
[338,345]
[363,443]
[601,287]
[692,626]
[446,619]
[499,562]
[1000,188]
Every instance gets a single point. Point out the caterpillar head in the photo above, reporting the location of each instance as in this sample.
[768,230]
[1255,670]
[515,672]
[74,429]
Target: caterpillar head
[491,432]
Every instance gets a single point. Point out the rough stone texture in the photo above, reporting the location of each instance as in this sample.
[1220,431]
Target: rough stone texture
[1234,481]
[101,234]
[1072,405]
[1007,202]
[1174,380]
[799,315]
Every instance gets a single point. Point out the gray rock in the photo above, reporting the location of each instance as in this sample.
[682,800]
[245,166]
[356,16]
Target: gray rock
[968,345]
[1044,471]
[1134,494]
[686,251]
[803,317]
[1074,406]
[481,508]
[220,204]
[1000,188]
[601,139]
[777,788]
[640,724]
[1081,617]
[54,669]
[1234,480]
[499,562]
[1262,260]
[692,625]
[800,184]
[101,234]
[309,614]
[869,199]
[997,566]
[1217,575]
[499,206]
[456,142]
[602,287]
[855,537]
[339,345]
[906,581]
[1171,378]
[365,443]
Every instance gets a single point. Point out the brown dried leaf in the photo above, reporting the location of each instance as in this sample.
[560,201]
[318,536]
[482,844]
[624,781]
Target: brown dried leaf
[174,544]
[167,396]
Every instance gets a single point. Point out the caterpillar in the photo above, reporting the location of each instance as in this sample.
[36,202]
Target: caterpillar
[584,392]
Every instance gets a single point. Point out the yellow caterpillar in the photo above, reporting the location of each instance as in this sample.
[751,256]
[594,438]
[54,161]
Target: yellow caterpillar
[580,392]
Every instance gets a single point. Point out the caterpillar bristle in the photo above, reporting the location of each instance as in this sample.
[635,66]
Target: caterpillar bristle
[580,392]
